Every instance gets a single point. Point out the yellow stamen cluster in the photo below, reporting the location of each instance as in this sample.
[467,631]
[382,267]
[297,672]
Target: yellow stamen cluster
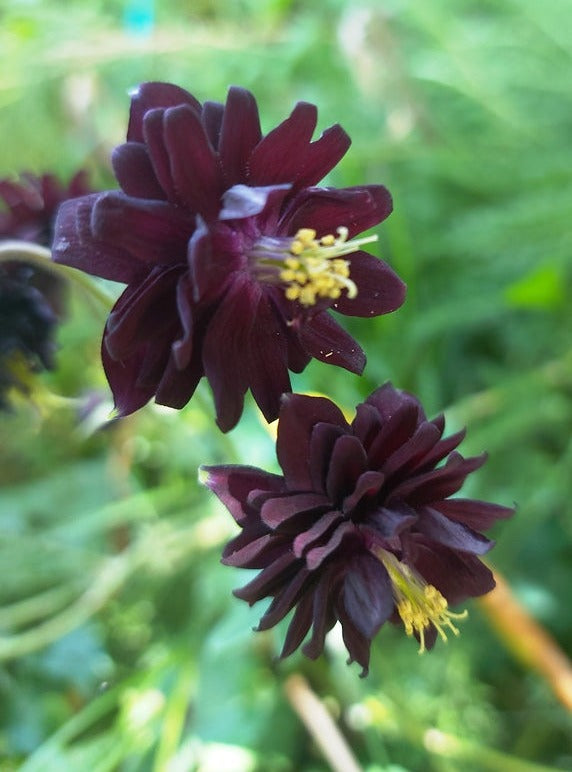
[419,604]
[315,268]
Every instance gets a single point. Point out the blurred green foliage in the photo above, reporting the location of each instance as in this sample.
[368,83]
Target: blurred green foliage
[121,647]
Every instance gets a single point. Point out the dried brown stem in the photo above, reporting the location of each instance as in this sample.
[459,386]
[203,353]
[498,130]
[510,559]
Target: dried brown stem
[528,640]
[320,725]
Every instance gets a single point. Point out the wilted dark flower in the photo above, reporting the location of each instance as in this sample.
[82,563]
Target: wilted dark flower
[30,305]
[231,256]
[360,528]
[28,207]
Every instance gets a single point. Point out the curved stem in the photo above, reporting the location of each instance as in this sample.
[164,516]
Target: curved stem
[528,641]
[320,725]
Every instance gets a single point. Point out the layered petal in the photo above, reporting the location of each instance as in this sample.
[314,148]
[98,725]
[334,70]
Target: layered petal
[75,245]
[239,135]
[326,209]
[152,95]
[380,290]
[298,415]
[324,339]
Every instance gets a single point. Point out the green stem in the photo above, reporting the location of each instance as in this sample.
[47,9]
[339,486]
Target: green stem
[37,607]
[112,576]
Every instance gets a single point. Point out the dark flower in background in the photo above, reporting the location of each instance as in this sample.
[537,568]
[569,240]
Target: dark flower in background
[28,206]
[360,528]
[31,303]
[231,255]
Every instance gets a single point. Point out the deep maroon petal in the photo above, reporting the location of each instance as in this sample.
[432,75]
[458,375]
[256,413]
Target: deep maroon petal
[276,512]
[213,255]
[227,337]
[177,385]
[151,95]
[318,530]
[299,625]
[387,400]
[194,168]
[456,575]
[321,156]
[298,359]
[239,136]
[475,514]
[242,201]
[270,579]
[442,449]
[211,117]
[440,483]
[123,378]
[74,245]
[322,442]
[249,554]
[183,347]
[316,556]
[284,600]
[367,594]
[388,522]
[298,415]
[367,487]
[154,133]
[408,455]
[323,615]
[396,431]
[266,360]
[232,484]
[326,209]
[152,231]
[380,290]
[134,171]
[323,338]
[366,424]
[450,533]
[143,312]
[347,463]
[357,644]
[276,158]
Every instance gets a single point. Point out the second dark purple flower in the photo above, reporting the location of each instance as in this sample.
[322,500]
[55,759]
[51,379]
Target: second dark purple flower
[360,528]
[231,255]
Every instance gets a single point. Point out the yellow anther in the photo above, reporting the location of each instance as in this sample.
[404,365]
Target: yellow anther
[306,236]
[317,268]
[419,604]
[293,292]
[310,268]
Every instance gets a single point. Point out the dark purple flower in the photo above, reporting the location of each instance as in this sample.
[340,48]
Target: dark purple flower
[28,207]
[30,307]
[231,255]
[360,528]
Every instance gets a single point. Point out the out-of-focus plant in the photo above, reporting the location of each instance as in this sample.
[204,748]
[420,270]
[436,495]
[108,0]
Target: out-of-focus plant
[120,642]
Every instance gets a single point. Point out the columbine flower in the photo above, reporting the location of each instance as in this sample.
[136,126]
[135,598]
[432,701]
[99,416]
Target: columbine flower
[30,205]
[231,256]
[360,528]
[30,305]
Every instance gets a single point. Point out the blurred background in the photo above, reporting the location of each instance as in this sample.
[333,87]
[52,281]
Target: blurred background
[121,646]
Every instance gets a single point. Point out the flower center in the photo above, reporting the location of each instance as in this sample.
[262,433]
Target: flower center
[310,268]
[419,604]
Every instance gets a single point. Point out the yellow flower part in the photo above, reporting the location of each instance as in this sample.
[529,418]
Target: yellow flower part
[315,268]
[419,604]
